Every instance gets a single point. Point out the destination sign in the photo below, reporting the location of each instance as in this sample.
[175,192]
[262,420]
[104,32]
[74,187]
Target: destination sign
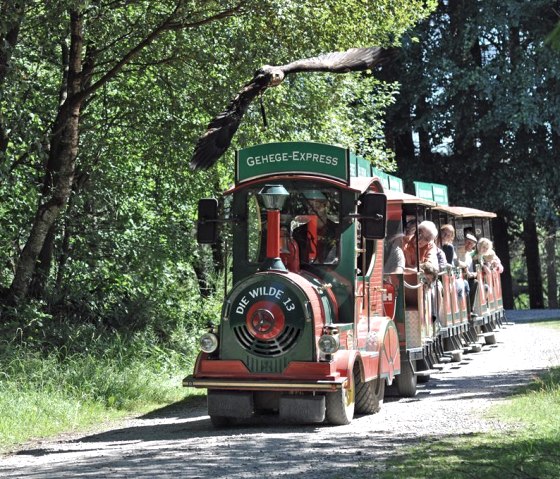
[292,157]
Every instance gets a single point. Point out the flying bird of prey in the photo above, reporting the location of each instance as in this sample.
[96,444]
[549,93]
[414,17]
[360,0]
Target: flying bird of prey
[213,144]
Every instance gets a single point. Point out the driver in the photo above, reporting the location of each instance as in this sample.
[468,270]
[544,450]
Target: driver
[326,234]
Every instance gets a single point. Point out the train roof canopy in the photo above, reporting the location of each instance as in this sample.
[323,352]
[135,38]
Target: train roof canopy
[406,199]
[465,212]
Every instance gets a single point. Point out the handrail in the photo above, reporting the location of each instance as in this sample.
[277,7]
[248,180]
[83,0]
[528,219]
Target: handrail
[410,286]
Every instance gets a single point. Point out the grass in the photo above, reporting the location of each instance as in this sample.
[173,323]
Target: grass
[529,449]
[555,324]
[42,395]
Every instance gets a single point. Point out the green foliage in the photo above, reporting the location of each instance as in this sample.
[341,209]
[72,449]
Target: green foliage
[116,319]
[91,379]
[124,254]
[484,87]
[530,450]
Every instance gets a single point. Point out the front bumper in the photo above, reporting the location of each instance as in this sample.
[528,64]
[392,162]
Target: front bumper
[265,384]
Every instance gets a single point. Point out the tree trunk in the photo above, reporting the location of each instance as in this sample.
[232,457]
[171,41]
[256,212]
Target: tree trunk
[60,168]
[501,243]
[552,282]
[11,13]
[534,277]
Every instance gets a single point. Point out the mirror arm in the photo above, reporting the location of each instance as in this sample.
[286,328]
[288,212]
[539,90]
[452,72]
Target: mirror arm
[233,219]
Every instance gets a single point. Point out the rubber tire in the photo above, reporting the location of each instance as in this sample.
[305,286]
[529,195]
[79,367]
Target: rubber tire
[340,404]
[369,395]
[476,348]
[423,379]
[406,381]
[457,357]
[490,339]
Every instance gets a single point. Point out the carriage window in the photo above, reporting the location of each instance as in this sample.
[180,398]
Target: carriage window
[317,228]
[310,217]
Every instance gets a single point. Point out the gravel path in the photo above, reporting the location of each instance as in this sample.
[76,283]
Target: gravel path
[179,441]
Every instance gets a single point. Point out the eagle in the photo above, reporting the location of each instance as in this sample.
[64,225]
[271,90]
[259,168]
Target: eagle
[217,138]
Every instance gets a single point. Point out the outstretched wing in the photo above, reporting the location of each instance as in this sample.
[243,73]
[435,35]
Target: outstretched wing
[355,59]
[213,144]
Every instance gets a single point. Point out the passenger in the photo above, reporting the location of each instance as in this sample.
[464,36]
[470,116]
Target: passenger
[327,232]
[469,272]
[470,249]
[427,250]
[447,236]
[486,256]
[394,261]
[409,232]
[442,260]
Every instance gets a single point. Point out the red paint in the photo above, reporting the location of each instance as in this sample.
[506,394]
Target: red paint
[311,222]
[273,235]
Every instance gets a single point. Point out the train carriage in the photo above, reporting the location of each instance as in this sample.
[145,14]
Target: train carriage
[486,308]
[414,306]
[312,328]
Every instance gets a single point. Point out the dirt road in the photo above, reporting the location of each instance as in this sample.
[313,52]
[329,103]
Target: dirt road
[179,441]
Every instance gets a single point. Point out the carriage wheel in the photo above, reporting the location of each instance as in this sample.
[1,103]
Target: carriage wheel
[369,395]
[340,404]
[406,381]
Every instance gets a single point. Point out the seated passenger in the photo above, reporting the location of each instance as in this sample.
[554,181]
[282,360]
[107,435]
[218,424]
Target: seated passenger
[425,256]
[467,263]
[447,236]
[427,250]
[486,256]
[394,259]
[409,232]
[317,235]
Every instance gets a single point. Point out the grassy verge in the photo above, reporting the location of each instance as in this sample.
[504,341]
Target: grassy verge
[530,450]
[45,394]
[549,323]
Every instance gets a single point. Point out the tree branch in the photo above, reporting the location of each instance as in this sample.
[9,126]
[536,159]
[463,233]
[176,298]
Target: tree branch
[168,25]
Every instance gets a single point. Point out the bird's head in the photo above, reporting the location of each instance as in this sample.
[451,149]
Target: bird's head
[275,73]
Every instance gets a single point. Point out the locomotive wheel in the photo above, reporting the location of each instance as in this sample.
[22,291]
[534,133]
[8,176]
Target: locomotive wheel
[369,396]
[406,381]
[340,404]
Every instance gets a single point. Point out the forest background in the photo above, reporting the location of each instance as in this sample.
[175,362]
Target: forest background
[101,104]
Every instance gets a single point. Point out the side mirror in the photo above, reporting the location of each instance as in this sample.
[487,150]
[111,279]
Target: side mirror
[373,212]
[206,226]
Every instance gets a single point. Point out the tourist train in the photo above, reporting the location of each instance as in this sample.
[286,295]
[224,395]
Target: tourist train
[314,328]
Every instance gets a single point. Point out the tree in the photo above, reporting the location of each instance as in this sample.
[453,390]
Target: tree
[481,90]
[109,97]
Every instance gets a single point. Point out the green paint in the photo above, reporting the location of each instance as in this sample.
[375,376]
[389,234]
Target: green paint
[292,157]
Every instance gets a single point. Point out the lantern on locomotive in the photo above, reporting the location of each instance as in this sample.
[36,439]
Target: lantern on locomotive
[302,332]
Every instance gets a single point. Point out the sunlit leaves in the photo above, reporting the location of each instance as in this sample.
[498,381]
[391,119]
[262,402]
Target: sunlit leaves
[127,234]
